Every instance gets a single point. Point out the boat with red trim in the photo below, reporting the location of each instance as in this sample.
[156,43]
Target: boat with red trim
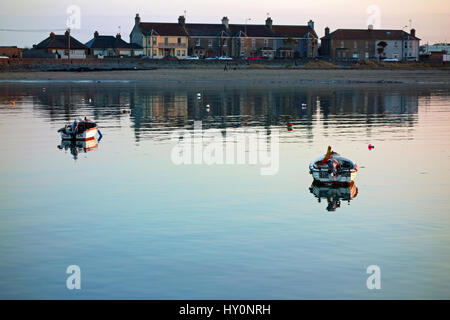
[80,129]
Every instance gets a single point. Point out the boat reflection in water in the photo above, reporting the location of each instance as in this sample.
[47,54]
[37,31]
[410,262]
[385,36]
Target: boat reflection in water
[78,146]
[333,195]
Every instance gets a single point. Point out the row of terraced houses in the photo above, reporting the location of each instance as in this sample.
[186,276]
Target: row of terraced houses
[224,39]
[181,39]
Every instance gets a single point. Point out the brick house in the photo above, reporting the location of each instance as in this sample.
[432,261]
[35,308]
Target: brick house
[110,46]
[11,52]
[361,44]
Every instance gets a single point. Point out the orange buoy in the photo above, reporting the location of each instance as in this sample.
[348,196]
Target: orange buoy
[290,127]
[13,103]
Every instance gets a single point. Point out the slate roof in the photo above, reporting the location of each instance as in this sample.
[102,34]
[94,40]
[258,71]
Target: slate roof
[293,31]
[213,30]
[162,28]
[56,41]
[110,42]
[205,29]
[361,34]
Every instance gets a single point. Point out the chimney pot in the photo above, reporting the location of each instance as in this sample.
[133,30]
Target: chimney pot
[96,34]
[413,32]
[370,27]
[225,22]
[52,35]
[137,19]
[327,31]
[118,36]
[311,24]
[269,23]
[181,21]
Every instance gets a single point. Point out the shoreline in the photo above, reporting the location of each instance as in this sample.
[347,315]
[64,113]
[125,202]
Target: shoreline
[241,76]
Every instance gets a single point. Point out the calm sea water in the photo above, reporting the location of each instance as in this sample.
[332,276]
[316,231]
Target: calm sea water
[141,227]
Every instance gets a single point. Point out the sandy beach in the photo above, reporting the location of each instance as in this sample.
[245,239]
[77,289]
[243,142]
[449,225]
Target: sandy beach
[246,76]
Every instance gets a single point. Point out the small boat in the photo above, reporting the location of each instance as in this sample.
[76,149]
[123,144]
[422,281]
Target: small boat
[333,169]
[80,129]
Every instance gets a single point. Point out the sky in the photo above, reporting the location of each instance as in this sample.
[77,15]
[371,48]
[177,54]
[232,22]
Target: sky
[430,18]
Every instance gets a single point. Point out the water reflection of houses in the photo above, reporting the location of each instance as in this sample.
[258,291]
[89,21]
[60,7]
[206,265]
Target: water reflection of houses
[156,107]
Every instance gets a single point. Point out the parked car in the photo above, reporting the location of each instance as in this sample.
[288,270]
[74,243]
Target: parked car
[191,58]
[389,60]
[225,58]
[170,58]
[212,58]
[255,58]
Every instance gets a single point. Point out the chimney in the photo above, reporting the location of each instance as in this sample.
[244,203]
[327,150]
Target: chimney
[181,21]
[413,32]
[327,31]
[118,36]
[66,33]
[269,23]
[311,24]
[96,34]
[225,22]
[52,35]
[137,19]
[370,27]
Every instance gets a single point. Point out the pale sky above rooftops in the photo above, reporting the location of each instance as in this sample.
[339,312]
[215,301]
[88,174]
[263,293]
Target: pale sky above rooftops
[431,18]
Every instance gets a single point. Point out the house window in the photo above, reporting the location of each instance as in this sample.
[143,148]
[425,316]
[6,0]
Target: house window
[154,52]
[183,53]
[266,42]
[367,44]
[242,52]
[253,43]
[209,43]
[178,53]
[395,44]
[154,39]
[242,42]
[355,44]
[366,55]
[342,44]
[198,42]
[166,41]
[224,42]
[179,40]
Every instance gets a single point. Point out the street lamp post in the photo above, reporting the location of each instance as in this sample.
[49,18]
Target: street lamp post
[246,40]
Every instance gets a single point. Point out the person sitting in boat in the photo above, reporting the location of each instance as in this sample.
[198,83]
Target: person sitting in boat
[328,155]
[333,166]
[74,125]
